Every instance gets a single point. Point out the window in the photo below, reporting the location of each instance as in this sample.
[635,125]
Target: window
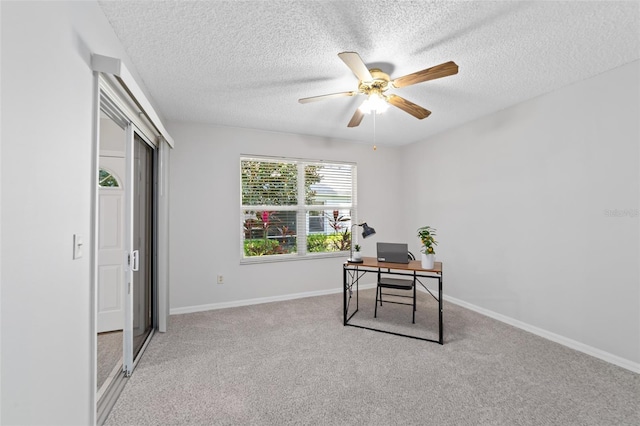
[107,180]
[292,208]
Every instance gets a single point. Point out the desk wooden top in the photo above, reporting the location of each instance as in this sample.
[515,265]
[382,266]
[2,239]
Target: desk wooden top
[413,265]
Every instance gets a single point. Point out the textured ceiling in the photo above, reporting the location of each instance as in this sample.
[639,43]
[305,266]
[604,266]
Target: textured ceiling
[246,63]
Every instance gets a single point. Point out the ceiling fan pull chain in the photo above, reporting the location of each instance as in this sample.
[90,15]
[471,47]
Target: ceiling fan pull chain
[374,132]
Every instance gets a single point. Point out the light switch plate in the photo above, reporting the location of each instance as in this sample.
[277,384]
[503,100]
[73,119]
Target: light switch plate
[77,246]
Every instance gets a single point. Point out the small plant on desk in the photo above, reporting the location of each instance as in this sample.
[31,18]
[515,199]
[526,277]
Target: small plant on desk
[426,235]
[357,256]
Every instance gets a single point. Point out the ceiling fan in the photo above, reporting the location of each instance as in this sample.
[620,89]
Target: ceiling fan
[374,83]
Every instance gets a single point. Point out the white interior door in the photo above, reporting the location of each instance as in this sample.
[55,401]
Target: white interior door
[111,250]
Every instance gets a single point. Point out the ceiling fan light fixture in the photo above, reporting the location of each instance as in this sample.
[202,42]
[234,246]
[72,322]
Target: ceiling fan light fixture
[375,103]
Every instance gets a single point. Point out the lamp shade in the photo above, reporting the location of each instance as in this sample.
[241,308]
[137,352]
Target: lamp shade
[374,103]
[367,231]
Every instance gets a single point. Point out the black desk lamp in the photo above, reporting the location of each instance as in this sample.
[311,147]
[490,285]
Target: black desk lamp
[367,231]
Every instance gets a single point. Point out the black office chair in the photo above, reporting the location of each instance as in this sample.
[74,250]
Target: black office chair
[389,282]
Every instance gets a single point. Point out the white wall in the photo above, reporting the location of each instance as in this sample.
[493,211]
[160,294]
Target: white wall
[522,200]
[47,370]
[205,213]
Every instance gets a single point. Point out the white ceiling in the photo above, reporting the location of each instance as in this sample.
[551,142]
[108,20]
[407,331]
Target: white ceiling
[246,63]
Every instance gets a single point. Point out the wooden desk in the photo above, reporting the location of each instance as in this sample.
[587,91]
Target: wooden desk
[352,272]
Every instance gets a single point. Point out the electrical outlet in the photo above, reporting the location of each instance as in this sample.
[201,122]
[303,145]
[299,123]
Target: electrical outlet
[220,279]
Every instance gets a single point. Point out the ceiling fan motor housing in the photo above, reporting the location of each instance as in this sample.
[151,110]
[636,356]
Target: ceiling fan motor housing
[378,84]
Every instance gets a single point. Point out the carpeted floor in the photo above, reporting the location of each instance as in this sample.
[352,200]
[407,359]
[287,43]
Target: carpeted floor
[293,362]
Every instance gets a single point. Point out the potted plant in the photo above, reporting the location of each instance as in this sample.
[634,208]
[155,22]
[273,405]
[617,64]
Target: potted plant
[426,235]
[357,256]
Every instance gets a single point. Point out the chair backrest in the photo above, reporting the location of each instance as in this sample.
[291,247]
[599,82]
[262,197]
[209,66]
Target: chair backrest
[381,274]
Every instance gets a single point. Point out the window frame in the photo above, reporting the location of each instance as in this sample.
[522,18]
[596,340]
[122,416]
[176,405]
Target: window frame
[301,208]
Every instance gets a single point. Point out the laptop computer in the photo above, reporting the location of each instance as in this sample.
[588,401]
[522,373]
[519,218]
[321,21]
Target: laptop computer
[393,252]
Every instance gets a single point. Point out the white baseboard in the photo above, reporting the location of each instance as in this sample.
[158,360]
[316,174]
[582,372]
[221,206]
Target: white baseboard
[260,300]
[581,347]
[565,341]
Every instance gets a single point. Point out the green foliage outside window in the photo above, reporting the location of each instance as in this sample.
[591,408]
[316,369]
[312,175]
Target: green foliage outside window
[267,183]
[261,247]
[106,179]
[341,240]
[321,243]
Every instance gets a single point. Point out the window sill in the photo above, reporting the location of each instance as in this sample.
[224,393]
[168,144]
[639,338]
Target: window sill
[293,257]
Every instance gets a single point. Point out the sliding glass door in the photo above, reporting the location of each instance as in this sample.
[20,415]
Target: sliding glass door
[144,244]
[126,288]
[140,294]
[131,204]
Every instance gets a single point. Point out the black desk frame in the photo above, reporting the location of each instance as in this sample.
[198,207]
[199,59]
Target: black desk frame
[353,272]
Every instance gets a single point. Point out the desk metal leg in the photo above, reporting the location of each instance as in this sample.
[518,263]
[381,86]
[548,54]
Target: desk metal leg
[344,296]
[351,279]
[440,308]
[413,321]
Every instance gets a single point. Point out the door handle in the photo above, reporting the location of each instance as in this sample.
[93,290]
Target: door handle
[135,260]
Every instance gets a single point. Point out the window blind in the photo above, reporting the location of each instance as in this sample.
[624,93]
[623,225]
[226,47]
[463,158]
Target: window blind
[295,207]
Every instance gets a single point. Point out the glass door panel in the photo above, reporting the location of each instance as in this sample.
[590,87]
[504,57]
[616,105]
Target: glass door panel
[143,242]
[140,274]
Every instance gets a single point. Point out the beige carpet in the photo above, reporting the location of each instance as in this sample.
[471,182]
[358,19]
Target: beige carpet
[293,363]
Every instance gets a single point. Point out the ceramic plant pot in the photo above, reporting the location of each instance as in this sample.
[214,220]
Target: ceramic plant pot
[428,260]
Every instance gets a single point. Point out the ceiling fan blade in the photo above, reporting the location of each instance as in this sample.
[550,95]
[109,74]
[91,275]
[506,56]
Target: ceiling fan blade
[439,71]
[356,119]
[323,97]
[409,107]
[353,61]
